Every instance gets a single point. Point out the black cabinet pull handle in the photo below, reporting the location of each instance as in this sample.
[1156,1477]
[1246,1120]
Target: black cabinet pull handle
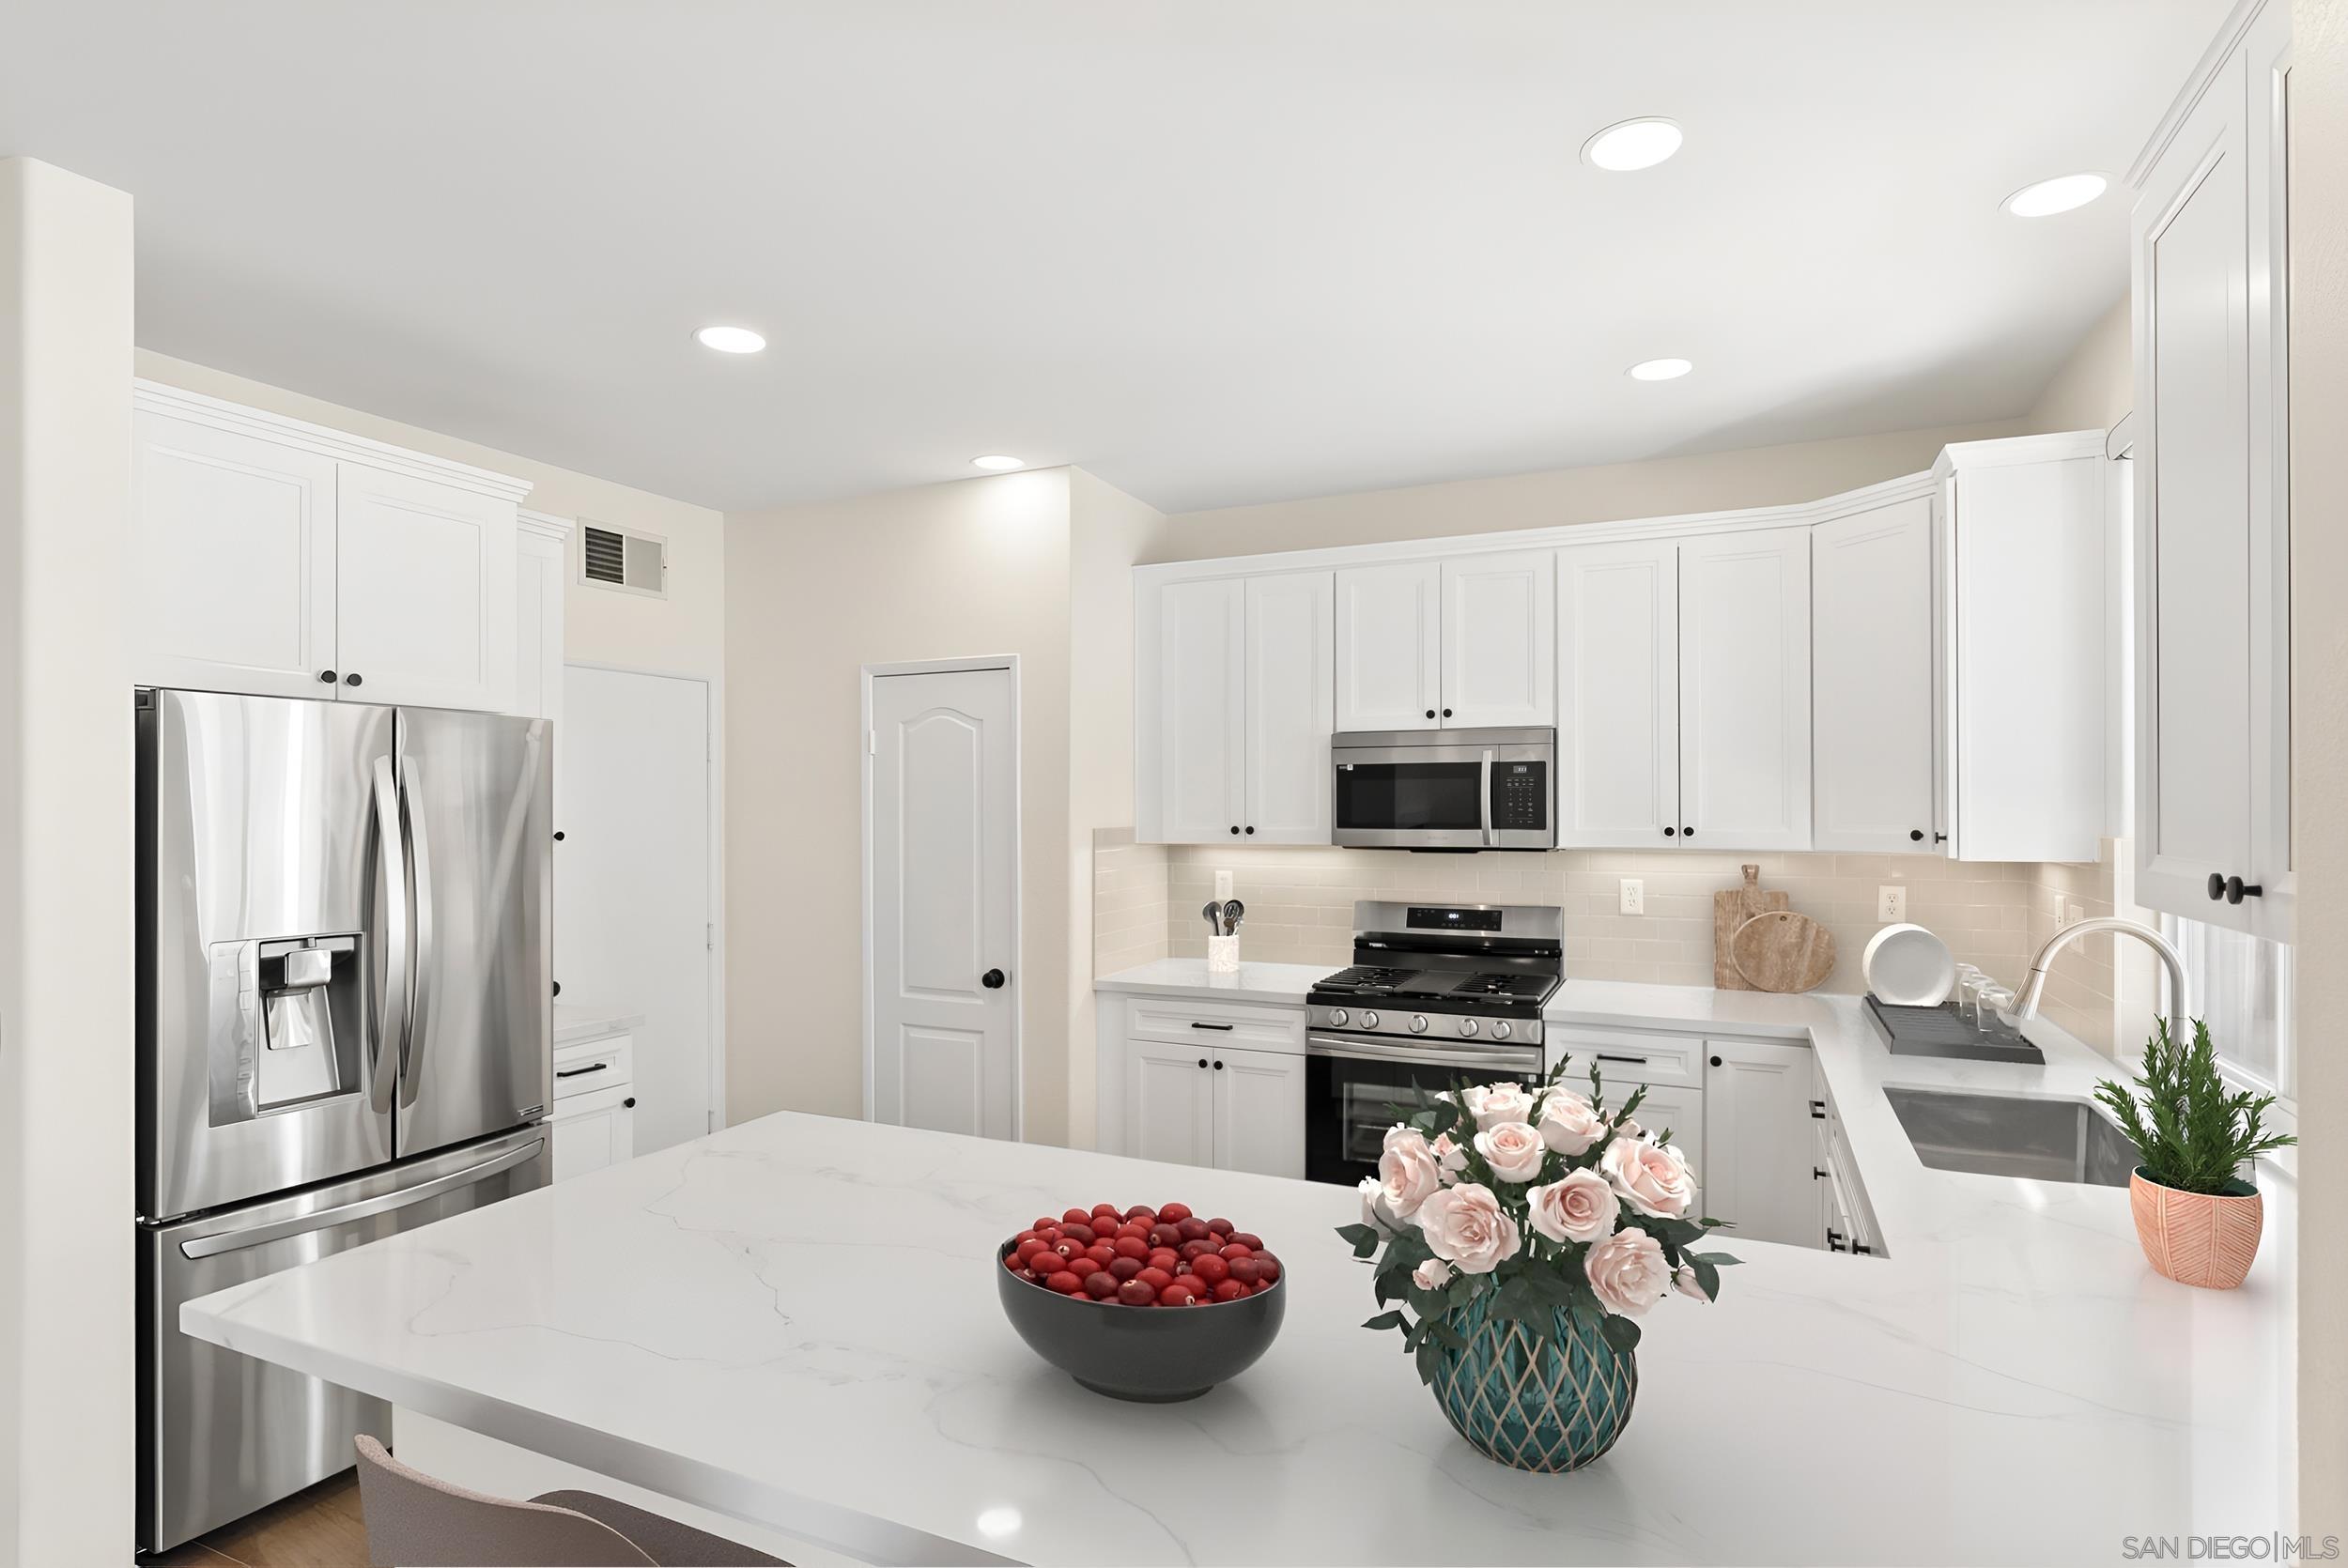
[581,1072]
[2237,890]
[351,680]
[1862,1248]
[2217,886]
[326,675]
[1636,1061]
[1817,1175]
[992,979]
[1835,1241]
[1225,1027]
[1915,834]
[1939,838]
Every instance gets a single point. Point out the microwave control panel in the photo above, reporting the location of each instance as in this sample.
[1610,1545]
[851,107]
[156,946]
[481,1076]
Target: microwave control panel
[1520,796]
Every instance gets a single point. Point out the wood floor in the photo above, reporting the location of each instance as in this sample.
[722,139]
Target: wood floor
[320,1527]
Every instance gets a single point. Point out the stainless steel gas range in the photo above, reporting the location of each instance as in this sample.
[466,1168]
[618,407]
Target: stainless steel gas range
[1436,992]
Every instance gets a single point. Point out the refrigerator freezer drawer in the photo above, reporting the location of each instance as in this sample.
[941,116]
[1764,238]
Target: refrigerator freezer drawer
[222,1434]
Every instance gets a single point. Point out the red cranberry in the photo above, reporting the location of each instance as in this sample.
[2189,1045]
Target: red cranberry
[1230,1290]
[1174,1212]
[1134,1293]
[1066,1284]
[1125,1269]
[1101,1286]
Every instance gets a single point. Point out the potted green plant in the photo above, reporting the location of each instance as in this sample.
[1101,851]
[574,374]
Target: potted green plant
[2197,1216]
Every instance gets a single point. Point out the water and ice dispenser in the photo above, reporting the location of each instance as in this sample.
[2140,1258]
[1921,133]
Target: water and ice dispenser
[285,1023]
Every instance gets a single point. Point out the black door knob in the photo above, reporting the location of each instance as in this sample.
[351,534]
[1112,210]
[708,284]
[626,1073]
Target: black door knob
[1430,712]
[2237,890]
[992,979]
[327,676]
[1671,832]
[350,680]
[1915,834]
[1447,713]
[2217,886]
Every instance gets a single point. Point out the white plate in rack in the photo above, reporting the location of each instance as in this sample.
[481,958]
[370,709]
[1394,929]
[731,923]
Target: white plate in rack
[1908,966]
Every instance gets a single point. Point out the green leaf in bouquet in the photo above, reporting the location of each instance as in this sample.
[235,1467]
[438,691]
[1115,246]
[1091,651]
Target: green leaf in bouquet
[1707,1278]
[1429,1357]
[1520,1302]
[1637,1096]
[1718,1260]
[1386,1320]
[1620,1332]
[1444,1333]
[1362,1237]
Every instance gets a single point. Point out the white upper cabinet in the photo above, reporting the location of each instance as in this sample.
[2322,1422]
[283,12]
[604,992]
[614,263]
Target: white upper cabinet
[1618,695]
[1744,690]
[1499,641]
[232,561]
[540,559]
[1872,679]
[424,590]
[1290,702]
[284,559]
[1195,739]
[2212,501]
[1389,647]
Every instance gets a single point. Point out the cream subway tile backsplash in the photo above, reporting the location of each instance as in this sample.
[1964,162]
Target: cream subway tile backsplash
[1300,908]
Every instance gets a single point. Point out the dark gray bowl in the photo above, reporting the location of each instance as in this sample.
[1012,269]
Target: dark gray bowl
[1153,1354]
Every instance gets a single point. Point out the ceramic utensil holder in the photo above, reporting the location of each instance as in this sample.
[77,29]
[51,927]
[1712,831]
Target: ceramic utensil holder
[1223,955]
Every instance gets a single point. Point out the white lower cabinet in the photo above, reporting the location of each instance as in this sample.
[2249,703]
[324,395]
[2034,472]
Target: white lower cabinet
[1758,1144]
[594,1120]
[1202,1103]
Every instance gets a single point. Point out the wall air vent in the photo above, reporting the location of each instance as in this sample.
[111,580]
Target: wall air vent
[624,559]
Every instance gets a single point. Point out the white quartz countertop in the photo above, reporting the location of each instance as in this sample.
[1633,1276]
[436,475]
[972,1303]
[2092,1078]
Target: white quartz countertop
[1250,982]
[794,1321]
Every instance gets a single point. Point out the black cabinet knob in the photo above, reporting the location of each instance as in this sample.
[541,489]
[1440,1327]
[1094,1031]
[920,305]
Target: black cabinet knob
[558,987]
[350,680]
[1671,832]
[1716,1061]
[1235,827]
[1915,834]
[1447,713]
[1687,833]
[327,676]
[2217,886]
[630,1102]
[1202,1062]
[1939,838]
[2237,890]
[992,979]
[1219,1067]
[1251,832]
[1430,712]
[558,835]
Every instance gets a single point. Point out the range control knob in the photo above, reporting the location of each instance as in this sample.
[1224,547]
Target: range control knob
[1370,1021]
[1467,1025]
[1337,1018]
[1418,1024]
[1501,1030]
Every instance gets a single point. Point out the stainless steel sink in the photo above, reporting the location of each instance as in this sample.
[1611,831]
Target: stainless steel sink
[2014,1135]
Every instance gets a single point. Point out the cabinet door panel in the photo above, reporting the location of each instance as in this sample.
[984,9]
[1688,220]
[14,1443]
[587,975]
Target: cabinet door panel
[1170,1104]
[1500,640]
[538,627]
[1290,645]
[1759,1148]
[1872,665]
[594,1130]
[1389,647]
[1201,714]
[1618,695]
[424,590]
[1258,1113]
[2193,514]
[232,561]
[1744,690]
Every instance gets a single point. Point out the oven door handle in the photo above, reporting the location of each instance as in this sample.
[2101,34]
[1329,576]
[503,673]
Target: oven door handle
[1348,1049]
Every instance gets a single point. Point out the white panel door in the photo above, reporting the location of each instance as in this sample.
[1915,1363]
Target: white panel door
[2193,514]
[1259,1111]
[538,627]
[232,561]
[1872,677]
[633,917]
[943,819]
[1202,711]
[1500,640]
[423,591]
[1744,690]
[1289,708]
[1758,1145]
[1618,695]
[1390,646]
[1169,1103]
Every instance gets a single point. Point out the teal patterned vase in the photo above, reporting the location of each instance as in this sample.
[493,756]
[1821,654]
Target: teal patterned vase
[1538,1403]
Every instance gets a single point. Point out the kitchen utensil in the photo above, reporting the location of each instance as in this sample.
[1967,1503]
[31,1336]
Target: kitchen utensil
[1730,910]
[1233,912]
[1214,912]
[1782,951]
[1908,966]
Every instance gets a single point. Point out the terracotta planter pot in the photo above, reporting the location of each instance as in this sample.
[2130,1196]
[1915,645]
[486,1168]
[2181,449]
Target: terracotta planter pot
[2197,1238]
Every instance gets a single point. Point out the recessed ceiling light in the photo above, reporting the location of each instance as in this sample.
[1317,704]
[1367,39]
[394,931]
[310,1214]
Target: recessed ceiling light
[2059,194]
[730,340]
[1659,370]
[1632,145]
[998,463]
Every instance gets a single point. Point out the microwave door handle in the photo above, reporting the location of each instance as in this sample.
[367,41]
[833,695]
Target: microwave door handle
[391,1017]
[427,944]
[1490,836]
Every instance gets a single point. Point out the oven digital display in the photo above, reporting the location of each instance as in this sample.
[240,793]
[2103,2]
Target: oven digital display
[1432,918]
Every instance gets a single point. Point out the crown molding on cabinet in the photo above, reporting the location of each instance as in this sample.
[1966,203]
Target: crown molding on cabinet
[2221,48]
[2014,450]
[223,415]
[544,525]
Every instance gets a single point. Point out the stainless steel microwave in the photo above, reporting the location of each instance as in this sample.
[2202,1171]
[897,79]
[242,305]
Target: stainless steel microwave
[1446,789]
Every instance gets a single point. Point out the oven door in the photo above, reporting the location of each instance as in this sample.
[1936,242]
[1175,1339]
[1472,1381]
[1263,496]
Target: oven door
[1356,1087]
[1475,791]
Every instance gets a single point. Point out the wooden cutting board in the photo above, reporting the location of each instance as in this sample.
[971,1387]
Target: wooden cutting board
[1779,950]
[1731,910]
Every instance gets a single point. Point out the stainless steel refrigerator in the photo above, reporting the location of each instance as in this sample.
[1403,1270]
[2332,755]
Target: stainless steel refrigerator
[344,1030]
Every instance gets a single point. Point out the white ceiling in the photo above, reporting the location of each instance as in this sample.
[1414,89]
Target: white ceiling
[1215,251]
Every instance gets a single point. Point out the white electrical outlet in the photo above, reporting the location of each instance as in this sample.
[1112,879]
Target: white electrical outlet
[1222,887]
[2077,915]
[1634,896]
[1891,903]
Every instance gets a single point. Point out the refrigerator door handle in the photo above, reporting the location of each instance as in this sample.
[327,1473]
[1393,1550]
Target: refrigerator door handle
[427,944]
[390,1019]
[361,1208]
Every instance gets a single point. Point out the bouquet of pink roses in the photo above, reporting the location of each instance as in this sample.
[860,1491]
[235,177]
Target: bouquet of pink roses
[1540,1197]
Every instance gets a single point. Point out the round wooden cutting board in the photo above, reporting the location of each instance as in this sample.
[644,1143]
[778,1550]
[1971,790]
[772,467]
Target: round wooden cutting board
[1779,950]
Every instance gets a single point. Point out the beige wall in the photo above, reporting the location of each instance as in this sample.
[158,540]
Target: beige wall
[813,593]
[680,635]
[66,1288]
[2319,506]
[2095,388]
